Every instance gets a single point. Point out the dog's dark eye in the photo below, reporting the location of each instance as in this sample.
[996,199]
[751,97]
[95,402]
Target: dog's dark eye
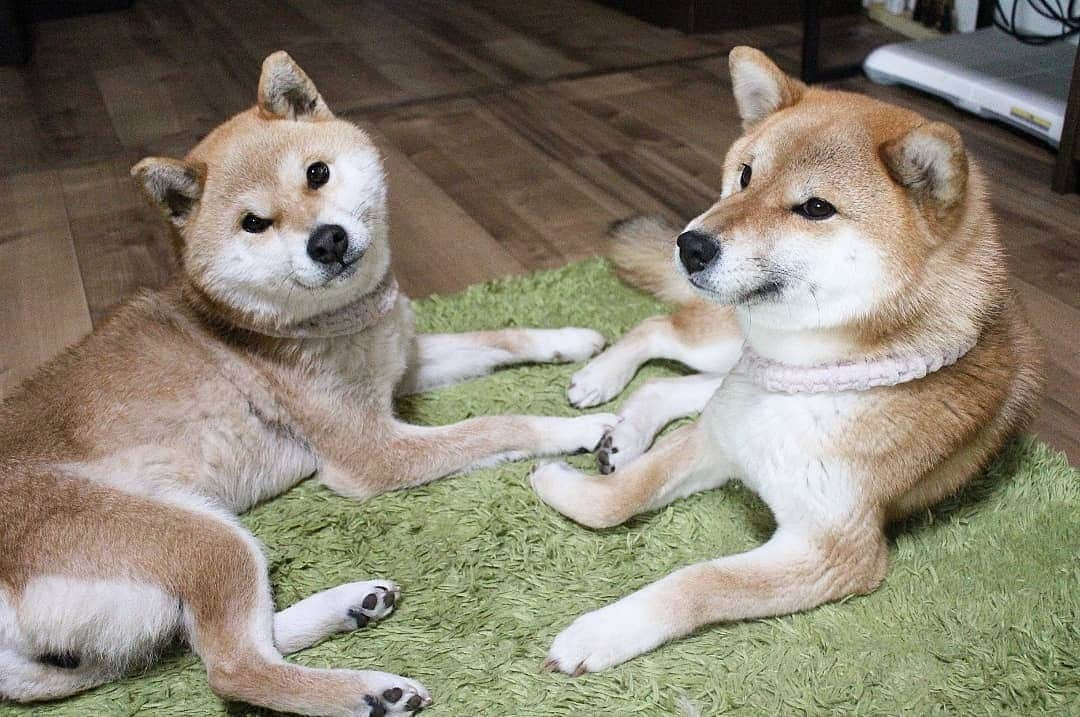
[318,174]
[744,178]
[253,224]
[814,208]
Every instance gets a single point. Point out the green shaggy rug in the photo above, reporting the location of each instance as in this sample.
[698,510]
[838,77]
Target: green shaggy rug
[979,616]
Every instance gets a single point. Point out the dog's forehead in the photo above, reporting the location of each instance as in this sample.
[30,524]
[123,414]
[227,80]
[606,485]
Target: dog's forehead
[827,140]
[277,153]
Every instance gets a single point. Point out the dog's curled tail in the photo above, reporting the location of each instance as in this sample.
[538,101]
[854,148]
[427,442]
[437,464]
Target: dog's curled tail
[641,248]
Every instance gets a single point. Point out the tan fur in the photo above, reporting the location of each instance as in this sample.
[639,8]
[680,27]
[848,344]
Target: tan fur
[641,249]
[835,469]
[123,459]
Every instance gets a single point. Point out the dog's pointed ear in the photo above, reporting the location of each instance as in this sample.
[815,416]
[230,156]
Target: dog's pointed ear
[286,92]
[174,186]
[760,87]
[930,162]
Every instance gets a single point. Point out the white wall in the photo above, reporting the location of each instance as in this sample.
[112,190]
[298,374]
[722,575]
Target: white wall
[1027,20]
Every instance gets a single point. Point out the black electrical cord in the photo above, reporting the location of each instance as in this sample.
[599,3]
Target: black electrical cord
[1069,20]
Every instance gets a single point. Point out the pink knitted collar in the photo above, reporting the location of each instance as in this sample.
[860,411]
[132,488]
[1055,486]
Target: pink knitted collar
[846,375]
[352,318]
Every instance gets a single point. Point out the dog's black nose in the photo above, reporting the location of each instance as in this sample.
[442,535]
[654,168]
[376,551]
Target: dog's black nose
[328,243]
[696,250]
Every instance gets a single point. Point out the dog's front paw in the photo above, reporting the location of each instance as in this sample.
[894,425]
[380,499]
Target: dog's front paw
[391,695]
[599,382]
[582,498]
[602,639]
[368,601]
[622,444]
[566,345]
[580,434]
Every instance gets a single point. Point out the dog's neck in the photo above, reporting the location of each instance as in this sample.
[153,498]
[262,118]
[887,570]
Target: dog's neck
[352,318]
[848,375]
[846,359]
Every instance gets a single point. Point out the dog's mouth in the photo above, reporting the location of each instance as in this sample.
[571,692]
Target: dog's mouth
[341,271]
[763,292]
[331,275]
[345,268]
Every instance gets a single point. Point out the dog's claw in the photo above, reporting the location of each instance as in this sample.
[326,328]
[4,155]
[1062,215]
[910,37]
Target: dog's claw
[579,671]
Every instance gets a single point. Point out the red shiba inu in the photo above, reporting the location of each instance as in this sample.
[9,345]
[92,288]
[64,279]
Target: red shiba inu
[862,355]
[273,356]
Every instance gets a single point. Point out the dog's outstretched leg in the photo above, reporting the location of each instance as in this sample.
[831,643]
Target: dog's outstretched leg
[703,336]
[177,564]
[444,359]
[405,455]
[231,623]
[820,552]
[801,567]
[339,609]
[647,411]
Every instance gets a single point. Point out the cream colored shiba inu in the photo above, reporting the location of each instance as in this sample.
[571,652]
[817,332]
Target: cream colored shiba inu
[273,356]
[864,357]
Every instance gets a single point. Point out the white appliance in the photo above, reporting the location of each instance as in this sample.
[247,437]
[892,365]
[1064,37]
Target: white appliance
[986,72]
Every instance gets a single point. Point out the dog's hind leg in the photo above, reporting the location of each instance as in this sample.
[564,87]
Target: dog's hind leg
[703,336]
[231,624]
[801,566]
[648,410]
[106,591]
[444,359]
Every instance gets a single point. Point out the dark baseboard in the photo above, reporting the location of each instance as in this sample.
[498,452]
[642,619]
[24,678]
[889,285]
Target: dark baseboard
[718,15]
[14,34]
[36,10]
[17,18]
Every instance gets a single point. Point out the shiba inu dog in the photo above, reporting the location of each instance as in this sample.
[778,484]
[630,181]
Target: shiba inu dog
[864,357]
[273,356]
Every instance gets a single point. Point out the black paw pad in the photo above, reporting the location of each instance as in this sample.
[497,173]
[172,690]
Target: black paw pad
[63,660]
[361,618]
[393,694]
[414,702]
[370,602]
[377,708]
[604,453]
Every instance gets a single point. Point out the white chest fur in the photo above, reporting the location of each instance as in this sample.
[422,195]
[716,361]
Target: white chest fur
[788,448]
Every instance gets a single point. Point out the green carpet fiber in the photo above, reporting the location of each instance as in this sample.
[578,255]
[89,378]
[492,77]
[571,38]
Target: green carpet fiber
[980,614]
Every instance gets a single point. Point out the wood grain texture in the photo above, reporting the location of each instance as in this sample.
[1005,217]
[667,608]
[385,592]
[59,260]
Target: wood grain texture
[44,309]
[513,134]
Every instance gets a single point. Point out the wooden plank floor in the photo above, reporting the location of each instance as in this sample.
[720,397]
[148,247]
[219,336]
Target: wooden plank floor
[513,132]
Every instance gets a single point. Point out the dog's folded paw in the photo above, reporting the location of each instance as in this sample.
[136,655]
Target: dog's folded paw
[621,444]
[599,382]
[580,434]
